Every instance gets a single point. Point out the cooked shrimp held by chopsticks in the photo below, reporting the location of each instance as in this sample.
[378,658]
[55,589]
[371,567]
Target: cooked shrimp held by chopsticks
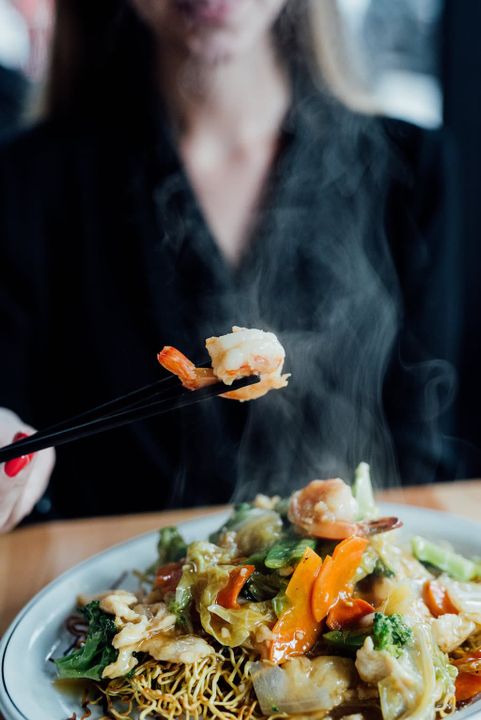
[242,353]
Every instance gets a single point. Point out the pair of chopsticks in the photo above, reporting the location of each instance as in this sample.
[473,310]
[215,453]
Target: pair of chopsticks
[158,398]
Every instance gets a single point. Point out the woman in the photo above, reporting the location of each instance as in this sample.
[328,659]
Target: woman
[195,171]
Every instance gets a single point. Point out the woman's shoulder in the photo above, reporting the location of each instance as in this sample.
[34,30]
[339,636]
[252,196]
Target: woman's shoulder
[420,148]
[34,142]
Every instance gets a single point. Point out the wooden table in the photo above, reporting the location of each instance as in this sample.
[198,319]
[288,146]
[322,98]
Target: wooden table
[32,556]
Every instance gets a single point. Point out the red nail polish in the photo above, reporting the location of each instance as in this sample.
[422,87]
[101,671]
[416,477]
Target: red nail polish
[19,436]
[13,467]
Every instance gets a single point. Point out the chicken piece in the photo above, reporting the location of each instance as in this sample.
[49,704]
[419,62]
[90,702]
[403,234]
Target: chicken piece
[185,649]
[450,631]
[124,664]
[131,633]
[374,665]
[118,603]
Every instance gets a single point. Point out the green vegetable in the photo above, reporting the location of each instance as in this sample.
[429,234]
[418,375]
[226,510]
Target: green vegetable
[287,552]
[363,493]
[231,627]
[262,587]
[255,528]
[457,566]
[421,682]
[282,507]
[280,603]
[171,546]
[390,632]
[346,639]
[382,569]
[90,660]
[179,605]
[240,513]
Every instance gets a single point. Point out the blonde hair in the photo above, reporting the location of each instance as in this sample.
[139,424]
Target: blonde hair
[102,53]
[330,56]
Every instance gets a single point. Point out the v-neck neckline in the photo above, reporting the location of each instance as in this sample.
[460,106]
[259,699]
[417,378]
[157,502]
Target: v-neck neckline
[173,165]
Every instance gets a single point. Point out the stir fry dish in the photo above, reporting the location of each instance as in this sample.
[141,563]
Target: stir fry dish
[241,353]
[311,606]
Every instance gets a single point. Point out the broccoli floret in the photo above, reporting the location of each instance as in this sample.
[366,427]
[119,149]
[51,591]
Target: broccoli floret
[390,633]
[171,546]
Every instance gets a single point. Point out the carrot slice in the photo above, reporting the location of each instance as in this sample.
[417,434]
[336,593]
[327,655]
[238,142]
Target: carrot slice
[227,597]
[467,686]
[347,612]
[437,599]
[336,575]
[296,631]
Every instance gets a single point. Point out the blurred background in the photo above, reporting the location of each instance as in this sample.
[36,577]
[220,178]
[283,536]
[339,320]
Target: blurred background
[419,60]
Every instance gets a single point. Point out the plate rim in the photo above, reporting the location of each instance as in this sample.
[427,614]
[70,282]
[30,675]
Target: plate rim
[9,632]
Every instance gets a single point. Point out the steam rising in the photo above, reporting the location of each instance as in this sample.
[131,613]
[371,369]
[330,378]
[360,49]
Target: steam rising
[321,276]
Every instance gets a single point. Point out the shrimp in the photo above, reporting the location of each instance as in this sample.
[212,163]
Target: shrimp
[191,377]
[245,352]
[327,509]
[242,353]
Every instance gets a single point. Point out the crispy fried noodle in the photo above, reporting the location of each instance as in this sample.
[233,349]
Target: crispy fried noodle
[218,686]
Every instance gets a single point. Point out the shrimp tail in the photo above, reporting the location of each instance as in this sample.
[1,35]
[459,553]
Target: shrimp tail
[179,364]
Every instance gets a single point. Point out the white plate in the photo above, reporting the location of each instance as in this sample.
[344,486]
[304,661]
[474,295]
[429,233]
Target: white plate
[26,677]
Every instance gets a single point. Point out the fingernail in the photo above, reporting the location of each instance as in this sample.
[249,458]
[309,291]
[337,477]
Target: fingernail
[13,467]
[19,436]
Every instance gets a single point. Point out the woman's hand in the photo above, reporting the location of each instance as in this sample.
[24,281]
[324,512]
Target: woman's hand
[23,480]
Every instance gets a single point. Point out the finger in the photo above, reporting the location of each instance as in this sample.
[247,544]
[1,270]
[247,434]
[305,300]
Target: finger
[22,482]
[29,493]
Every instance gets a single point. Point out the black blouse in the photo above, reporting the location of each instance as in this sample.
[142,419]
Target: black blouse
[105,256]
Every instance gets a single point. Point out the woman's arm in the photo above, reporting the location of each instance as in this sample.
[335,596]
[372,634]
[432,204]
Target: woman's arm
[21,484]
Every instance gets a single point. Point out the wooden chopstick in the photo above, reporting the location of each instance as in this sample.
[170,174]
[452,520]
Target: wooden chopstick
[69,432]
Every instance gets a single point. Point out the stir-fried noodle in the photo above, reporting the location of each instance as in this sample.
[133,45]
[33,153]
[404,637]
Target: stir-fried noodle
[218,686]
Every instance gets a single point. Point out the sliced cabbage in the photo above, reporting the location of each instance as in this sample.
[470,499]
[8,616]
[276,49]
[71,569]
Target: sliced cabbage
[466,597]
[450,631]
[255,528]
[231,627]
[258,531]
[302,685]
[422,680]
[202,555]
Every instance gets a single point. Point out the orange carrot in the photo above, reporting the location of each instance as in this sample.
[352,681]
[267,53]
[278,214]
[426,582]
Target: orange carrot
[347,612]
[336,575]
[296,631]
[238,577]
[437,599]
[467,686]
